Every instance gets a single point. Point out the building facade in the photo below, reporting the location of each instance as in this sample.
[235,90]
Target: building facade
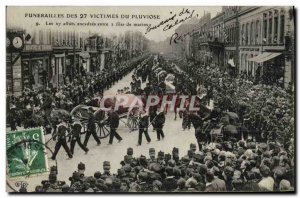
[250,41]
[265,44]
[57,57]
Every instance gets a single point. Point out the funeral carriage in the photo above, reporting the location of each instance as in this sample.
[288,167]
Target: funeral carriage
[128,107]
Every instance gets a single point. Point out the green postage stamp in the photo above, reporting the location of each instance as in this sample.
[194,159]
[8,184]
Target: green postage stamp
[25,152]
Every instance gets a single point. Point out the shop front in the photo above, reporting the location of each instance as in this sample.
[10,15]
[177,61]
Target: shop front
[85,61]
[273,67]
[35,65]
[58,69]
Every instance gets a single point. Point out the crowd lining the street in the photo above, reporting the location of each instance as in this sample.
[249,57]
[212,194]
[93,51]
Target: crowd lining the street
[259,156]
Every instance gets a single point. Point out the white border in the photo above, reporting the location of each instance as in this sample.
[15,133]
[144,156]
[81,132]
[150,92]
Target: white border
[3,3]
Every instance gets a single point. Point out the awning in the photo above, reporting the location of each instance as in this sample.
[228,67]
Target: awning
[259,57]
[264,57]
[84,55]
[272,55]
[59,55]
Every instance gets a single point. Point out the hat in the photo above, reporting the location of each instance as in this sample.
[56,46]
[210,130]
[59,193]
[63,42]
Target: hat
[262,146]
[106,163]
[171,163]
[161,154]
[121,172]
[97,174]
[156,167]
[175,150]
[193,146]
[154,176]
[176,172]
[229,171]
[181,183]
[207,158]
[129,151]
[127,157]
[127,168]
[157,183]
[108,181]
[143,176]
[81,166]
[185,159]
[152,150]
[284,185]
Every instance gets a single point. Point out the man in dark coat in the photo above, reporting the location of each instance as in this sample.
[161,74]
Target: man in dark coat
[199,131]
[114,124]
[143,128]
[148,89]
[12,118]
[159,124]
[91,129]
[61,140]
[76,129]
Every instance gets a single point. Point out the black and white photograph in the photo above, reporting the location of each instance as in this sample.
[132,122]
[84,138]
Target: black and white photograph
[150,99]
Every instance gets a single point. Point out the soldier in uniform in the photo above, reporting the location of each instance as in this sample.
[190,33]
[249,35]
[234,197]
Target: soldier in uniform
[152,156]
[114,124]
[143,128]
[130,151]
[81,169]
[76,129]
[91,129]
[175,156]
[159,124]
[127,160]
[12,118]
[106,168]
[193,148]
[61,141]
[161,158]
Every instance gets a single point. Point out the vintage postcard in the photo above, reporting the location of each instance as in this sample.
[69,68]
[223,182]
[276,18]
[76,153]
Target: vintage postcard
[150,99]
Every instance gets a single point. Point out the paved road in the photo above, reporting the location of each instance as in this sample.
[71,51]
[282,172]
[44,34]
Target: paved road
[174,137]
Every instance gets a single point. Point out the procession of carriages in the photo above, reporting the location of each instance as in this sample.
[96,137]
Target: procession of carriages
[130,112]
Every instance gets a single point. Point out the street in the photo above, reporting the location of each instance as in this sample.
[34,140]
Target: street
[115,153]
[227,71]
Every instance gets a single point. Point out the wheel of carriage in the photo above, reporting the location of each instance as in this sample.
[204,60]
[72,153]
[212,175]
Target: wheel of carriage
[80,113]
[102,124]
[133,117]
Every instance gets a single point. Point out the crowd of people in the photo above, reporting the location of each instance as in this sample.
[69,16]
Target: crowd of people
[258,156]
[266,112]
[243,166]
[33,107]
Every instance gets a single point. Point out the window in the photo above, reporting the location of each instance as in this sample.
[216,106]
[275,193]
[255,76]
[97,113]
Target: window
[265,29]
[270,27]
[257,32]
[250,65]
[227,36]
[275,39]
[242,34]
[242,63]
[230,35]
[247,34]
[281,28]
[251,33]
